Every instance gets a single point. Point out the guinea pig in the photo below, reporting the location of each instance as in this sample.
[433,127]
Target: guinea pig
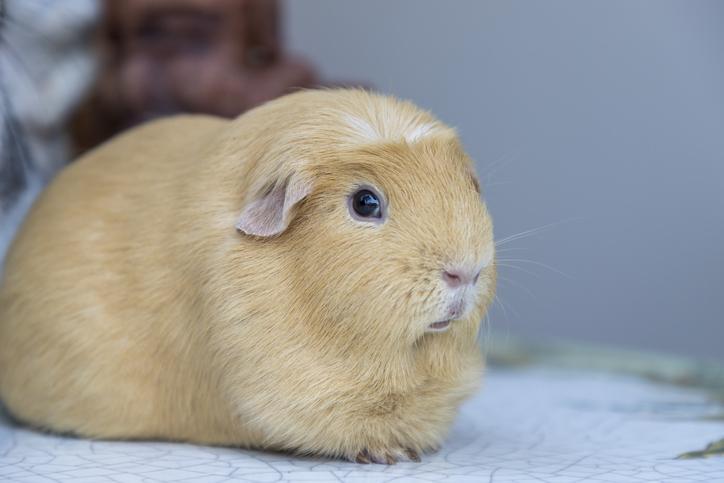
[309,277]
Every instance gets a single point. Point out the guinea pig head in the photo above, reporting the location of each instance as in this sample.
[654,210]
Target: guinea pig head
[384,238]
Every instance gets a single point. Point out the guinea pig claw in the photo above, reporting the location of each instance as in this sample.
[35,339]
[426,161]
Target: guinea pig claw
[363,457]
[412,454]
[380,458]
[387,457]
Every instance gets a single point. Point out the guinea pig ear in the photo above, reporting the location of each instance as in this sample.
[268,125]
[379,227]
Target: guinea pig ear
[271,213]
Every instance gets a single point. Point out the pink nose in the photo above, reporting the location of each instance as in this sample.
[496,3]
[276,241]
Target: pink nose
[456,277]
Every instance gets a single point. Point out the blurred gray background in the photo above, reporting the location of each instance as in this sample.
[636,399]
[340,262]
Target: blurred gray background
[603,121]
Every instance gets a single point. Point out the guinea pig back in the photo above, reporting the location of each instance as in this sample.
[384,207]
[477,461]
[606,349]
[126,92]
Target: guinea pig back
[309,277]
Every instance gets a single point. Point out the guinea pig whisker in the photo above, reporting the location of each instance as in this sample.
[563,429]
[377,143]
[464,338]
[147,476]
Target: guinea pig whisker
[497,300]
[501,162]
[518,236]
[532,231]
[505,307]
[506,265]
[515,284]
[495,167]
[539,264]
[485,330]
[510,249]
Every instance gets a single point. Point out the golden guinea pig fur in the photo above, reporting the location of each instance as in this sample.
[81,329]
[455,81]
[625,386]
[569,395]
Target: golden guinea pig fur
[309,277]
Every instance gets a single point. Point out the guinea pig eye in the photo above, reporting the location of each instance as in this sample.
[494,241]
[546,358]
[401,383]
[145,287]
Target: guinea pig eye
[365,203]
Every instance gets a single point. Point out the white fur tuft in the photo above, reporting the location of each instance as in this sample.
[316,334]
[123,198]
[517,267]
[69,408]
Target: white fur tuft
[418,132]
[388,130]
[363,129]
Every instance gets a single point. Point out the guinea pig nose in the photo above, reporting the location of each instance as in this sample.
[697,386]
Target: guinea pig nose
[456,277]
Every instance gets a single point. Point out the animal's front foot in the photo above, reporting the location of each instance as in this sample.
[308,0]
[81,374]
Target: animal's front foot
[387,457]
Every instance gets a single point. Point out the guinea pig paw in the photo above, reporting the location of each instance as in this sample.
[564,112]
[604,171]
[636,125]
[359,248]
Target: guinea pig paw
[379,457]
[386,457]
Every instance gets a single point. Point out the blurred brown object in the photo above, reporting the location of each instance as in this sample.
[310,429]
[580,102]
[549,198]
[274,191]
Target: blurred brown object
[160,57]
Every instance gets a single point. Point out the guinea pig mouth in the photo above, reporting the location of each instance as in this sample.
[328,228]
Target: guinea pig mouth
[440,326]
